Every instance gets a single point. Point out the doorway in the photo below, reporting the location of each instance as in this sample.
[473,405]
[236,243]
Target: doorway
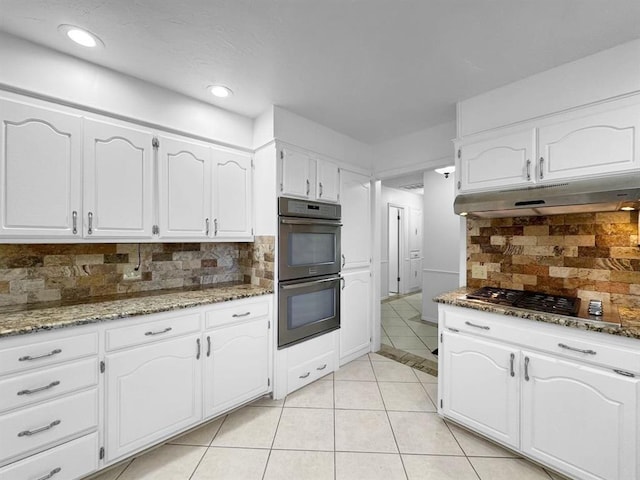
[396,241]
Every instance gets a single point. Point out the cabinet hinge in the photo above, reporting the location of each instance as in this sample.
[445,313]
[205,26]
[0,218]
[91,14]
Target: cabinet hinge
[398,278]
[268,382]
[269,325]
[155,143]
[252,165]
[441,404]
[281,187]
[102,366]
[101,453]
[459,153]
[252,231]
[441,338]
[155,230]
[281,154]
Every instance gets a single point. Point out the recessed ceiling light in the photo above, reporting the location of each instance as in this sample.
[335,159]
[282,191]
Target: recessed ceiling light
[81,36]
[220,91]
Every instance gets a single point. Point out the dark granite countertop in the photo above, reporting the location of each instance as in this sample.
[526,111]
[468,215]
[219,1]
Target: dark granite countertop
[629,316]
[52,315]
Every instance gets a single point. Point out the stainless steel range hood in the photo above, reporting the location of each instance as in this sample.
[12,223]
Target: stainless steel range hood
[576,196]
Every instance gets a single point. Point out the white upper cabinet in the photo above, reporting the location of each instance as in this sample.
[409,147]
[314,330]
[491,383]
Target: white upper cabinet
[40,167]
[596,144]
[184,189]
[356,234]
[297,174]
[328,175]
[495,162]
[117,181]
[232,199]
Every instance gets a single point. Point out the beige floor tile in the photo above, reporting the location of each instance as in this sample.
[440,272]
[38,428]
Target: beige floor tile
[423,433]
[420,352]
[305,429]
[287,464]
[364,431]
[425,377]
[423,330]
[221,463]
[318,394]
[406,397]
[357,371]
[393,372]
[357,395]
[112,473]
[169,462]
[385,340]
[369,466]
[432,391]
[404,343]
[250,427]
[408,314]
[267,402]
[375,357]
[399,331]
[393,321]
[475,446]
[363,358]
[430,342]
[555,476]
[507,469]
[429,467]
[201,436]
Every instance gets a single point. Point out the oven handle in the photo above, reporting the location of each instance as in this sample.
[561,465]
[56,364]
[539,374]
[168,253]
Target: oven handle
[310,221]
[308,284]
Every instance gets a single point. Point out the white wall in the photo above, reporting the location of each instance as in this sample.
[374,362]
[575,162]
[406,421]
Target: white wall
[29,68]
[606,74]
[441,251]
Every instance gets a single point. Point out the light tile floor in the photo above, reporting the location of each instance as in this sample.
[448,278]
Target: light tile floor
[403,329]
[373,419]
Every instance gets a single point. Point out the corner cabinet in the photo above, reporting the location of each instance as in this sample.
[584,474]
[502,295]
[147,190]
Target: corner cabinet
[563,397]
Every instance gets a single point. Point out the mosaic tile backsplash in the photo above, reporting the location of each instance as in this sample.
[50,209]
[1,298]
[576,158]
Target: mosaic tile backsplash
[589,255]
[51,272]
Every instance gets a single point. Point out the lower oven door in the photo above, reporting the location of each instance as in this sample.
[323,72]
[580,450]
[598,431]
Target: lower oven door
[307,308]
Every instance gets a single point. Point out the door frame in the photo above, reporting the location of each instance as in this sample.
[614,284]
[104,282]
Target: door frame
[402,247]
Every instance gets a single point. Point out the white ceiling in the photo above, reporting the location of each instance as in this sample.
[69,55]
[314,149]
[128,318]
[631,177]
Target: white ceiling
[372,69]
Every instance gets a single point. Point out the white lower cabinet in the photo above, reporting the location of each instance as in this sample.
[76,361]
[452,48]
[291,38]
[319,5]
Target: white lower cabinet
[355,320]
[551,393]
[152,392]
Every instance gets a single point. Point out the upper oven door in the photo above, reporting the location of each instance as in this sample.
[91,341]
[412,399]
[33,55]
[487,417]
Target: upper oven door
[308,247]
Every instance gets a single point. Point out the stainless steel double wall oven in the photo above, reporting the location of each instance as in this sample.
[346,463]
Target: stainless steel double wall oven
[308,269]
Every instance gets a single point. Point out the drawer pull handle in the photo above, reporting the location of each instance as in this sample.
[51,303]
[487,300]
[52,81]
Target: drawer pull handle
[526,368]
[51,474]
[159,332]
[50,354]
[35,390]
[512,359]
[623,373]
[305,375]
[198,354]
[573,349]
[240,315]
[28,433]
[483,327]
[322,367]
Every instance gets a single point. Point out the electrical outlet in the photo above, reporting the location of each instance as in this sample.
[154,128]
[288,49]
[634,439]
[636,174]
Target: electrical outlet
[133,275]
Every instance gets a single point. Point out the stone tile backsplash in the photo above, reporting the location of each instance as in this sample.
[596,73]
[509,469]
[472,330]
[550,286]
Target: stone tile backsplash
[50,272]
[589,255]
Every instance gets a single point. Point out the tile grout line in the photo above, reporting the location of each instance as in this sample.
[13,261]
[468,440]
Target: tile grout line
[273,440]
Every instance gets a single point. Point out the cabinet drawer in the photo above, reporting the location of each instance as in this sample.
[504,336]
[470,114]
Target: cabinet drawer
[48,382]
[242,311]
[474,322]
[70,461]
[307,372]
[38,354]
[158,329]
[35,427]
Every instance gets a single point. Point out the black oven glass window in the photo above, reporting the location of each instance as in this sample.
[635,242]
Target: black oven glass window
[308,308]
[311,248]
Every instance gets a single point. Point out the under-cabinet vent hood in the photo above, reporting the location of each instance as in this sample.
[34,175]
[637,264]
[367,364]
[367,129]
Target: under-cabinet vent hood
[573,196]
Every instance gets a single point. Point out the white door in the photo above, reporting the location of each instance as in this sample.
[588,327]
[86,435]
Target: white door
[236,364]
[297,174]
[118,181]
[232,187]
[579,419]
[395,239]
[496,162]
[185,189]
[356,231]
[355,319]
[328,189]
[597,144]
[40,165]
[490,371]
[152,392]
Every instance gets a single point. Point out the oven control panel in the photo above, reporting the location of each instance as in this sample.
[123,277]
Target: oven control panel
[291,207]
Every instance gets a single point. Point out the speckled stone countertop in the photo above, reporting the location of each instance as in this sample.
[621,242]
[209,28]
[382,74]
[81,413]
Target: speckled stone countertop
[53,315]
[629,316]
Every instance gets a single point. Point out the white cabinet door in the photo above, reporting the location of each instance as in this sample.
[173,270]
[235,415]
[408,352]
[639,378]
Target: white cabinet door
[232,202]
[356,230]
[480,386]
[355,320]
[236,364]
[40,165]
[152,392]
[328,188]
[579,419]
[596,144]
[118,181]
[415,277]
[185,189]
[507,160]
[297,174]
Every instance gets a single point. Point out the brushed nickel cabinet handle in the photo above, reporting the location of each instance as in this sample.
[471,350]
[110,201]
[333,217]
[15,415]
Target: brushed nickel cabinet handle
[308,187]
[305,375]
[343,282]
[579,350]
[344,260]
[320,186]
[198,353]
[206,221]
[28,433]
[240,315]
[215,227]
[526,368]
[483,327]
[528,169]
[208,346]
[322,367]
[50,474]
[511,360]
[90,227]
[159,332]
[540,166]
[40,389]
[74,215]
[50,354]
